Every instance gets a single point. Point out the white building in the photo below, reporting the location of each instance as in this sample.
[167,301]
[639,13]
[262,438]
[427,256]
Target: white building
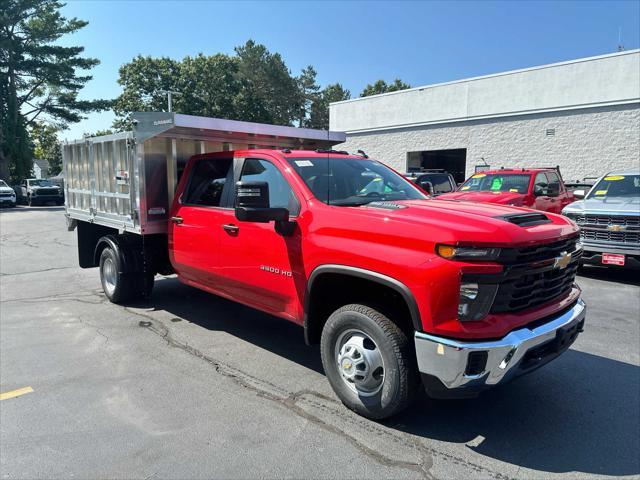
[40,168]
[583,115]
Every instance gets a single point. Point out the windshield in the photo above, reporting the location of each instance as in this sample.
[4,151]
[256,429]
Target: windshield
[41,183]
[352,182]
[616,186]
[2,184]
[440,182]
[497,182]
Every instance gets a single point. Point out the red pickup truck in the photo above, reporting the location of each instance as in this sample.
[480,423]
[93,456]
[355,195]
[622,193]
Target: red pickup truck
[538,188]
[396,287]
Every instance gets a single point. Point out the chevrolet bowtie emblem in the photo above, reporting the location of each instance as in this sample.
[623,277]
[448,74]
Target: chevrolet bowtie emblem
[616,228]
[562,261]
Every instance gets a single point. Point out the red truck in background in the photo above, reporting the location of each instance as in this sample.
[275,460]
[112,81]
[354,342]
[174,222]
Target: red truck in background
[538,188]
[396,287]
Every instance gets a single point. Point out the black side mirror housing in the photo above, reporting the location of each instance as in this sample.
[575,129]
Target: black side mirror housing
[553,190]
[427,187]
[252,204]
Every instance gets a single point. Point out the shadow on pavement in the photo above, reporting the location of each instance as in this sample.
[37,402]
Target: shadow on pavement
[581,413]
[218,314]
[22,209]
[610,274]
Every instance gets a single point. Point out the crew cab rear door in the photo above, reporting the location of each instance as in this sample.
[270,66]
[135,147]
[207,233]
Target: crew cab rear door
[196,216]
[259,266]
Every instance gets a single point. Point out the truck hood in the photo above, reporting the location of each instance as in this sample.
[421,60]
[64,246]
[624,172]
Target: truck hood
[623,205]
[485,197]
[6,190]
[446,221]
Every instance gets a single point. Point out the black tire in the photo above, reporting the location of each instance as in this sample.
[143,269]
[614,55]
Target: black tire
[400,375]
[116,285]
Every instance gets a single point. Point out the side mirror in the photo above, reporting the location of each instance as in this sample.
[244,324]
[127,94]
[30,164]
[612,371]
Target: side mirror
[579,194]
[252,204]
[553,190]
[540,189]
[427,187]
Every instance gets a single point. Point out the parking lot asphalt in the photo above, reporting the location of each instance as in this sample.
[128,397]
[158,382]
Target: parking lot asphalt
[189,385]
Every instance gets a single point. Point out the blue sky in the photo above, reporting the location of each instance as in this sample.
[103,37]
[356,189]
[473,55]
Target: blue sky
[353,43]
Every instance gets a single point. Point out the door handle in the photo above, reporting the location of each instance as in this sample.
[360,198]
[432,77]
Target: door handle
[231,228]
[177,220]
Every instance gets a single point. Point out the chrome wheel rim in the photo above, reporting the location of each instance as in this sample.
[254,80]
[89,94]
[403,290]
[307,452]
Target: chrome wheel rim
[109,275]
[359,362]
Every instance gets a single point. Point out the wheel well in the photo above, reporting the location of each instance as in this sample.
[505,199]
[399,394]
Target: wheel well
[330,291]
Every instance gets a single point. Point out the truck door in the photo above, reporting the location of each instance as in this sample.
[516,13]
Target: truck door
[259,266]
[196,216]
[542,199]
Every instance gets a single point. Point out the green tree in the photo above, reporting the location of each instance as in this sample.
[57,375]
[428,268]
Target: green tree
[269,93]
[381,86]
[209,86]
[142,79]
[319,116]
[309,92]
[39,78]
[98,133]
[46,145]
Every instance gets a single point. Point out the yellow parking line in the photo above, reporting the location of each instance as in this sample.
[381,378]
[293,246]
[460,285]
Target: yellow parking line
[15,393]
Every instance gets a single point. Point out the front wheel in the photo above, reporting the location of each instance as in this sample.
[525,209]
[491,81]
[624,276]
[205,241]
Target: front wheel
[368,361]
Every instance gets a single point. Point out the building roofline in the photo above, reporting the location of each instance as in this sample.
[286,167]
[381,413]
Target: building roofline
[493,75]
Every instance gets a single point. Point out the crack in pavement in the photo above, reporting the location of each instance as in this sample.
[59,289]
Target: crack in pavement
[36,271]
[294,401]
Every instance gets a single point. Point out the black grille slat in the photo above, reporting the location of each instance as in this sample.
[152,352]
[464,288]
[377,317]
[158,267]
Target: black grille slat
[530,278]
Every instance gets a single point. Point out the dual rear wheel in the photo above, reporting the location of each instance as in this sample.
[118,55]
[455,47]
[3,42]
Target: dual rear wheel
[120,286]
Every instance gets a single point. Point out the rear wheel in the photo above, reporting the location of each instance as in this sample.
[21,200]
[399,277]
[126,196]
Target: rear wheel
[115,284]
[119,286]
[368,361]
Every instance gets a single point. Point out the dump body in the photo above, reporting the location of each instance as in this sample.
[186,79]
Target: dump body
[127,180]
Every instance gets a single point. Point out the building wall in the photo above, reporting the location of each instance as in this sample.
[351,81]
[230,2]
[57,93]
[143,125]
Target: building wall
[611,79]
[587,142]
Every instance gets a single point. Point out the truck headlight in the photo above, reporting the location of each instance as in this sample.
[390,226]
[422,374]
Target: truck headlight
[475,300]
[451,252]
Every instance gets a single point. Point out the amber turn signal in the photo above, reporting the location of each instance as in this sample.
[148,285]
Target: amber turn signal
[446,251]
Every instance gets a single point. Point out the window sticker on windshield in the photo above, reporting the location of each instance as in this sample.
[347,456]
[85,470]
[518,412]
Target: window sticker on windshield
[479,175]
[304,163]
[513,190]
[614,178]
[496,183]
[466,187]
[601,192]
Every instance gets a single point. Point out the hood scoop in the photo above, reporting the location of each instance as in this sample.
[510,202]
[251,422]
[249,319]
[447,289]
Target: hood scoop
[525,219]
[386,205]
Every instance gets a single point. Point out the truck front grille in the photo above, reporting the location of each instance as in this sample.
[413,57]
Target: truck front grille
[47,191]
[623,230]
[536,275]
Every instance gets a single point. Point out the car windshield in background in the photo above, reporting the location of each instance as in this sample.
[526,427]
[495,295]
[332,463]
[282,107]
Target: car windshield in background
[3,184]
[497,182]
[41,183]
[616,186]
[353,182]
[440,182]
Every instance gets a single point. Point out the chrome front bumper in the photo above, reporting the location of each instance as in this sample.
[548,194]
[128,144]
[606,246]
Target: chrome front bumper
[519,352]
